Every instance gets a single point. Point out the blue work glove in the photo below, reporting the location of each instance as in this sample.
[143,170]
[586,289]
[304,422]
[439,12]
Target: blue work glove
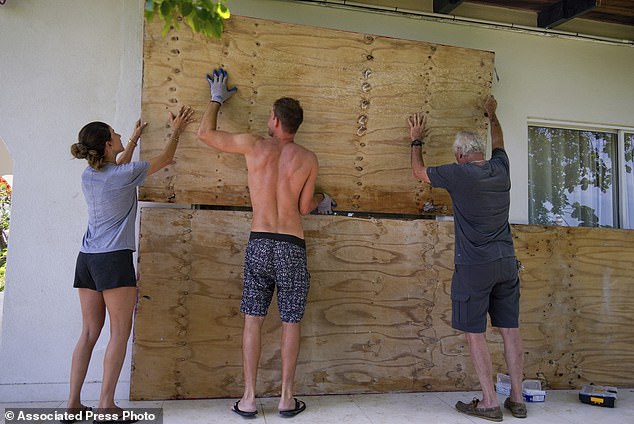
[218,86]
[325,206]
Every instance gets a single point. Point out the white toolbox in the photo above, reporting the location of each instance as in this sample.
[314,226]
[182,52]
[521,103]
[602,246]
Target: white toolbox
[531,389]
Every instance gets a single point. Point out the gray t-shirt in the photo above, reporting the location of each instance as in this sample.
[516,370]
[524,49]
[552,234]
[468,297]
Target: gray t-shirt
[481,201]
[112,204]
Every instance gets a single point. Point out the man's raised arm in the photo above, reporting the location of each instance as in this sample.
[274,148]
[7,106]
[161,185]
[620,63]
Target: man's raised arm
[418,133]
[497,139]
[207,133]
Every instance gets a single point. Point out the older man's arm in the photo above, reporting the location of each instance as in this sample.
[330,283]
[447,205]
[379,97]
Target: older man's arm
[497,139]
[418,132]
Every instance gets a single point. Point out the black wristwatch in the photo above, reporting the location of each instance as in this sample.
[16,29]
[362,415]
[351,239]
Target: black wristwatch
[417,142]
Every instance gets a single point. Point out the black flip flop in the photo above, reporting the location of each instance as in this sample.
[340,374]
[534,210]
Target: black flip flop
[300,406]
[245,414]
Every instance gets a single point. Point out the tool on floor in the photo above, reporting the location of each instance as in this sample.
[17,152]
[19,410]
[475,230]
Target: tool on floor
[598,395]
[531,389]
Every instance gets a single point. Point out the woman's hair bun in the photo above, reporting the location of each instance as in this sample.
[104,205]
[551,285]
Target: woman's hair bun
[79,151]
[92,144]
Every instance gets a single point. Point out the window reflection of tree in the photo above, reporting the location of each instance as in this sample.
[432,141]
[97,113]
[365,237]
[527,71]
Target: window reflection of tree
[628,180]
[571,177]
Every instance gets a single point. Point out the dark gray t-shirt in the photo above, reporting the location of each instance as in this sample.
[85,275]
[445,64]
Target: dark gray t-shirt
[481,201]
[112,204]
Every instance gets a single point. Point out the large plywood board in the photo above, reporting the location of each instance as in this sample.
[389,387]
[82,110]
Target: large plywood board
[357,91]
[577,304]
[378,317]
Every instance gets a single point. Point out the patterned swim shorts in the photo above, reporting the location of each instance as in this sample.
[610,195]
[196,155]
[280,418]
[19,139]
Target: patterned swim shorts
[275,260]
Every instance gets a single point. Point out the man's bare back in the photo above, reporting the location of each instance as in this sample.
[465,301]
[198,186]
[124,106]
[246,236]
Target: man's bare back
[278,173]
[281,174]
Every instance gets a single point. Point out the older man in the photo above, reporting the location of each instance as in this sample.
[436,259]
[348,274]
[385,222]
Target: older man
[485,278]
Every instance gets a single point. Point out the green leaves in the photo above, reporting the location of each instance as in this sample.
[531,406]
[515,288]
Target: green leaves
[202,16]
[186,9]
[5,214]
[222,11]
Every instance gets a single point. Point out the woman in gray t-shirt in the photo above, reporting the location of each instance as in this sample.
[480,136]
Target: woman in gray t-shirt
[104,274]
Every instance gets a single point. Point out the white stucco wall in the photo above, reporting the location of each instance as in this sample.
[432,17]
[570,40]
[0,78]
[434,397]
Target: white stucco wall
[62,64]
[68,62]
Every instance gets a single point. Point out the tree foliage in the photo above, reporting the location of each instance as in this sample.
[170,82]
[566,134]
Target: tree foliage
[5,211]
[202,16]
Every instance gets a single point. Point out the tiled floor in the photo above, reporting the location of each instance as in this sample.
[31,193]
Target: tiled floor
[561,407]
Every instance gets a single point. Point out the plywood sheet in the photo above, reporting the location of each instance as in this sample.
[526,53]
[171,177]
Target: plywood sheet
[576,299]
[378,317]
[357,91]
[374,322]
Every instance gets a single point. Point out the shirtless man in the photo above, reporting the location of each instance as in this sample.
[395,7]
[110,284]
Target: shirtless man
[281,178]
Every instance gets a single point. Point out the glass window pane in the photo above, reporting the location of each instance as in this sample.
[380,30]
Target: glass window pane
[629,181]
[571,177]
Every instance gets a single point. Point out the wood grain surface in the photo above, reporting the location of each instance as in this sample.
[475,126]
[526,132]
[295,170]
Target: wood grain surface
[357,91]
[378,317]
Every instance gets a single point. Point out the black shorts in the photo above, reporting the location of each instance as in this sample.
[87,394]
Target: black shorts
[103,271]
[275,260]
[492,288]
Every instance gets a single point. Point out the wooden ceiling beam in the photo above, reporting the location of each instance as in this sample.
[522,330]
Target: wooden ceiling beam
[446,6]
[616,10]
[563,11]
